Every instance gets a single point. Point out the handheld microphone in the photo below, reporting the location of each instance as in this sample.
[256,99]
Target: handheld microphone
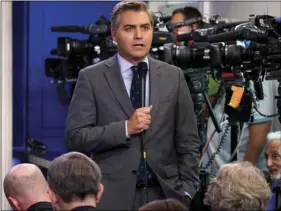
[142,71]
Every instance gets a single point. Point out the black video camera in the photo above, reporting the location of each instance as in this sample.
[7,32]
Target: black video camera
[79,53]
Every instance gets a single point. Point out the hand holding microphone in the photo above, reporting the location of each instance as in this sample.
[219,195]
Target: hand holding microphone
[140,120]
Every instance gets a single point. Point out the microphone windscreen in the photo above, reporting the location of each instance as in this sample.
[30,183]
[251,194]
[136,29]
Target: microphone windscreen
[142,68]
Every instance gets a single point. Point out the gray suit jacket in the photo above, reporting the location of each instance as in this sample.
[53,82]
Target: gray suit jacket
[96,125]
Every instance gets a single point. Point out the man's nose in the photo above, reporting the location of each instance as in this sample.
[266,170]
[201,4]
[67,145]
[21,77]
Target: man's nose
[138,33]
[268,162]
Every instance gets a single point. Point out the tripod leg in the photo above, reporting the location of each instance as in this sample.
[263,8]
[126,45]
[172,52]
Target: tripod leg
[212,114]
[234,139]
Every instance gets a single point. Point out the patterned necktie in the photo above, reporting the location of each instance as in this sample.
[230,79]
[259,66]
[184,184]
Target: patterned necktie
[135,92]
[135,95]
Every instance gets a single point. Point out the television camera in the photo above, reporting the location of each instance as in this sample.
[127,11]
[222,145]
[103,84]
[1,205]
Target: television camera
[247,53]
[79,53]
[256,58]
[196,75]
[240,57]
[72,55]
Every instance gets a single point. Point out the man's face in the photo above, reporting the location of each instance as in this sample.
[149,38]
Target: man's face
[133,35]
[273,159]
[177,18]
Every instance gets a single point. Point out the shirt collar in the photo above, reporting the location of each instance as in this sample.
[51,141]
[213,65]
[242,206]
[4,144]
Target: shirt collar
[126,65]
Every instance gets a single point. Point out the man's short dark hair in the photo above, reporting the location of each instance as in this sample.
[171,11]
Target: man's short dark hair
[189,13]
[178,10]
[74,176]
[128,6]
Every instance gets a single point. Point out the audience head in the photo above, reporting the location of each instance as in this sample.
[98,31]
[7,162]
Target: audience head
[238,186]
[74,180]
[186,13]
[273,155]
[164,205]
[24,186]
[132,30]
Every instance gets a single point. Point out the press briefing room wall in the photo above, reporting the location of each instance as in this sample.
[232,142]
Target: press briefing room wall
[37,111]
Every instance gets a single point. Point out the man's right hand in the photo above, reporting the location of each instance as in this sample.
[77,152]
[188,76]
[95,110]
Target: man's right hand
[139,121]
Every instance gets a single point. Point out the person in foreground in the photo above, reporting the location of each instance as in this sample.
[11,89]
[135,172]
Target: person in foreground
[273,164]
[238,186]
[106,119]
[26,188]
[75,182]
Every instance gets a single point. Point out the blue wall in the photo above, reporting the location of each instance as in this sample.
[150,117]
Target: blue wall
[37,110]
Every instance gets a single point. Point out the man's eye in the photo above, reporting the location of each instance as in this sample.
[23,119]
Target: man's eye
[275,156]
[128,29]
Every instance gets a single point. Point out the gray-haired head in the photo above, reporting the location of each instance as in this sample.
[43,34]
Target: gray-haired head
[238,186]
[273,155]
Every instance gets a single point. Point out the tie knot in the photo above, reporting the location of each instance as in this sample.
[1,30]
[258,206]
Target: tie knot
[135,70]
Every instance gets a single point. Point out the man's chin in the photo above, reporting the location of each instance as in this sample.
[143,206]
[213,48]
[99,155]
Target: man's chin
[138,57]
[275,176]
[140,54]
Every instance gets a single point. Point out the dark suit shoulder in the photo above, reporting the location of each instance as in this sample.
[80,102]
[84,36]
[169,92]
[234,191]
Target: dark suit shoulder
[95,68]
[167,68]
[102,66]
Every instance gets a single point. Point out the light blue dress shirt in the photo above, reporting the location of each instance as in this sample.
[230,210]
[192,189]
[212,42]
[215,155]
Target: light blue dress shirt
[127,75]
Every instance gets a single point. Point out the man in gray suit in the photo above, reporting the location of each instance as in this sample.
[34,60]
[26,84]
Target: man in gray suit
[105,119]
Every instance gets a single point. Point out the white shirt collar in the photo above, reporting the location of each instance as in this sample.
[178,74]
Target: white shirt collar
[126,65]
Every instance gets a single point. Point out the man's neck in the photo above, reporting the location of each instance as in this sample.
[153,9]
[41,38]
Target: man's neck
[132,60]
[89,201]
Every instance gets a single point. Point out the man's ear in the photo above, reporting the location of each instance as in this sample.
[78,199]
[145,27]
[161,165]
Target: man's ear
[99,193]
[113,34]
[53,196]
[14,203]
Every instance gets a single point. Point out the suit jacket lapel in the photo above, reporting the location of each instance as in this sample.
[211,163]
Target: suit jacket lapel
[155,89]
[116,83]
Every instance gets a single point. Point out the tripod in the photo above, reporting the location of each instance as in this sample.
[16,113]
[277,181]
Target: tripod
[199,100]
[236,133]
[197,202]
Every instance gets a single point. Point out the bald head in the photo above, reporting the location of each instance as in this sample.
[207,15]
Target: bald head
[24,180]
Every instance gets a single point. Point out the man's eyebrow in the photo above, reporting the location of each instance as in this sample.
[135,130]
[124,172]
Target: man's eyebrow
[274,151]
[134,25]
[145,24]
[129,25]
